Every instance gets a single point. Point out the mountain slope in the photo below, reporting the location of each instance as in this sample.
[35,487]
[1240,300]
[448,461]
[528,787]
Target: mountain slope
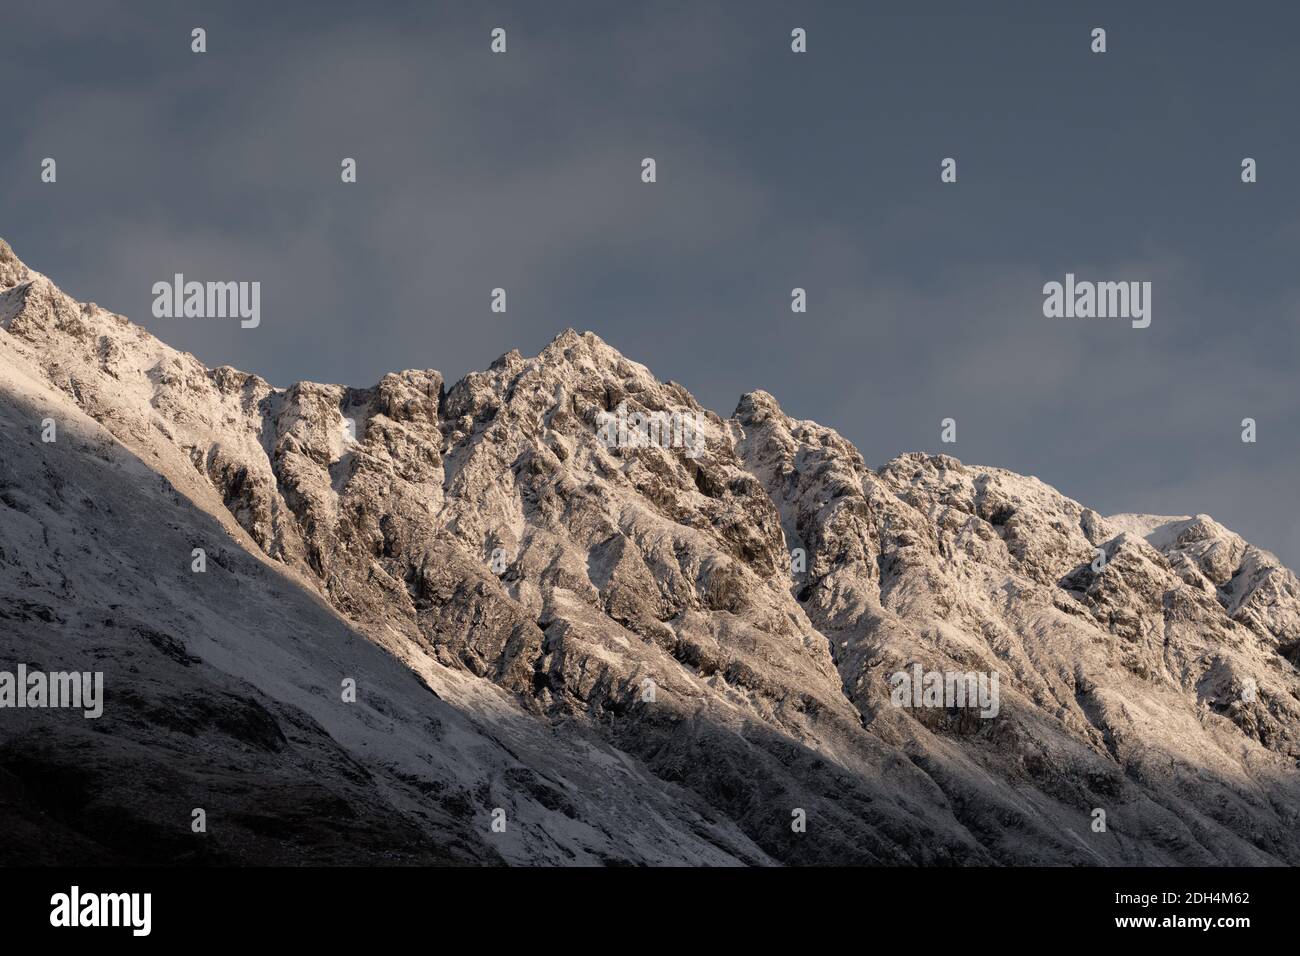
[639,674]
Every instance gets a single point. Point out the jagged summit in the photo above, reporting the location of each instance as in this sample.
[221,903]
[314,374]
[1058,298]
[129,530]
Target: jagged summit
[12,270]
[652,650]
[755,406]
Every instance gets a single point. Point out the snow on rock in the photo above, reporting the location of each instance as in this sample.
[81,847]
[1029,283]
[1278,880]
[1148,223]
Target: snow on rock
[619,649]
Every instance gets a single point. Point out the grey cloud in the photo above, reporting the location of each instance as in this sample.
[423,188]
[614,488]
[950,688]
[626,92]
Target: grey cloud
[775,171]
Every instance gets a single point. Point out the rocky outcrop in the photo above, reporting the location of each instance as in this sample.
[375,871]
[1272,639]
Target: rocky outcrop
[728,615]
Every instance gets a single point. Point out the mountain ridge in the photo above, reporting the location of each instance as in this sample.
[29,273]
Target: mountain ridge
[1124,683]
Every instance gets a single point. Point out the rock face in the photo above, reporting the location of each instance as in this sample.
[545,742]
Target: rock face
[640,652]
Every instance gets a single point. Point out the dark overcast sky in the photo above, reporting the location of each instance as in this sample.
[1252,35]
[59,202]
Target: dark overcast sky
[775,170]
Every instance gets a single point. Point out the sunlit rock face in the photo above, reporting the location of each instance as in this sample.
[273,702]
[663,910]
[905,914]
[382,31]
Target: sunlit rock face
[646,633]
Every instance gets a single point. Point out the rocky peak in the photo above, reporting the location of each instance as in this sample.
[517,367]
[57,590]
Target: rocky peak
[12,270]
[727,617]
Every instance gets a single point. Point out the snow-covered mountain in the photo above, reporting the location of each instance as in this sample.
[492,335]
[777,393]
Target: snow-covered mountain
[631,651]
